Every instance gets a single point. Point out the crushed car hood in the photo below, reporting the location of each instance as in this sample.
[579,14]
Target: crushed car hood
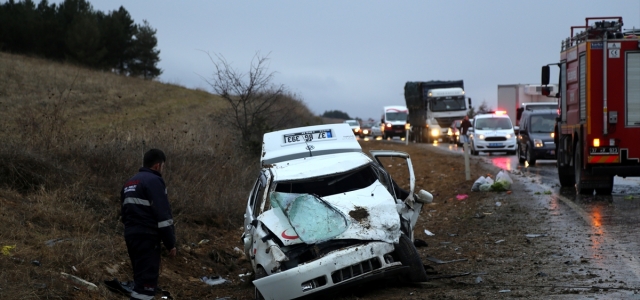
[370,214]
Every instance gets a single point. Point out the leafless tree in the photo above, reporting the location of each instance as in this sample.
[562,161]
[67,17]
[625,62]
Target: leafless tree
[256,104]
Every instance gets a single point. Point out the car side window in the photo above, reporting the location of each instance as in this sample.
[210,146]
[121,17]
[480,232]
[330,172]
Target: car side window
[258,194]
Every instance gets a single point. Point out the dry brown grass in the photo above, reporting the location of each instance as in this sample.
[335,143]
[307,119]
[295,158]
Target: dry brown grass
[70,137]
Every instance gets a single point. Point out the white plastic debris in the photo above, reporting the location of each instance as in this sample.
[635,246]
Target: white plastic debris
[504,291]
[88,285]
[499,241]
[504,178]
[429,233]
[533,235]
[213,280]
[476,185]
[498,204]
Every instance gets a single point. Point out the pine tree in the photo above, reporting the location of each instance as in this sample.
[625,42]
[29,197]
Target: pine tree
[145,56]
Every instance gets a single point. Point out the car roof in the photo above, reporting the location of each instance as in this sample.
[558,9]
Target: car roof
[490,115]
[289,144]
[318,166]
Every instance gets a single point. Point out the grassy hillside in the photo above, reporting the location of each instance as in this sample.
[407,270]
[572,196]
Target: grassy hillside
[70,137]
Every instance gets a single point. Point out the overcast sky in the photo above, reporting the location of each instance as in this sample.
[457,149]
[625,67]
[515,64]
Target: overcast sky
[356,56]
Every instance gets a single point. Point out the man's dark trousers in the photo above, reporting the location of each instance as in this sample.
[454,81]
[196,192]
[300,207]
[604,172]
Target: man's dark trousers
[144,251]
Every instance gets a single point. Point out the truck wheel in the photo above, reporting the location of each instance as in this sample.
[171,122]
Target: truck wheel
[577,163]
[530,158]
[408,255]
[606,191]
[566,176]
[519,155]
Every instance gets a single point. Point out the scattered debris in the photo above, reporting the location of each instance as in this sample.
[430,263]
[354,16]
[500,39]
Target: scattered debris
[533,235]
[440,262]
[504,291]
[547,192]
[203,241]
[124,287]
[36,263]
[246,274]
[451,234]
[499,241]
[52,242]
[6,250]
[478,216]
[479,280]
[429,233]
[462,197]
[498,204]
[77,280]
[213,280]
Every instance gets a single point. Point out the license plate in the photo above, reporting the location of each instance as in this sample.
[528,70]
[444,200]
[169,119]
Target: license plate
[308,136]
[495,144]
[603,150]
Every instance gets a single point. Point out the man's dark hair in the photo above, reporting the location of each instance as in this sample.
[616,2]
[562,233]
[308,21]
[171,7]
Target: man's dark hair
[153,157]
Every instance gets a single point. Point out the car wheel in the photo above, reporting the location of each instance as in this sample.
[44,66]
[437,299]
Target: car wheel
[565,175]
[530,158]
[408,255]
[260,273]
[521,160]
[473,149]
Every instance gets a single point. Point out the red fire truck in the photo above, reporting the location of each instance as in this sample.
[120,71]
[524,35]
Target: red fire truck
[597,132]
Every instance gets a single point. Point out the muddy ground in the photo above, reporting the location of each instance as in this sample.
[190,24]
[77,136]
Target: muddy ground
[486,232]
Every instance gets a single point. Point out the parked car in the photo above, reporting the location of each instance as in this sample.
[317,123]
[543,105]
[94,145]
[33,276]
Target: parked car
[355,126]
[492,132]
[535,139]
[453,133]
[323,215]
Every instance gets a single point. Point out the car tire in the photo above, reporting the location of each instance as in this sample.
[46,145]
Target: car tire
[530,158]
[473,151]
[408,255]
[260,273]
[565,175]
[521,160]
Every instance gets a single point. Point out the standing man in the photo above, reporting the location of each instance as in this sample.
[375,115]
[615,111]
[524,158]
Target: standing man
[147,219]
[464,126]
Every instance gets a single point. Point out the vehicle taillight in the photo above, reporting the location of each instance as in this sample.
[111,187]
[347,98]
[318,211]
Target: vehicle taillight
[596,142]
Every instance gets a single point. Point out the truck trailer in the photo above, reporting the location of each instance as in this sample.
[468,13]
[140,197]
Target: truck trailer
[513,98]
[599,99]
[433,106]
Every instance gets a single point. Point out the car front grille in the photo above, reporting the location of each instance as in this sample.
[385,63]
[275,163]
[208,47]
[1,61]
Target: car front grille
[355,270]
[495,138]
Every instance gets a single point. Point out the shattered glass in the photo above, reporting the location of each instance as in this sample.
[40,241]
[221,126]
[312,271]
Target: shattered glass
[313,219]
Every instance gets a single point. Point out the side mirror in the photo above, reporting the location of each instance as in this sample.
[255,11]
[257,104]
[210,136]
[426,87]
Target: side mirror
[545,75]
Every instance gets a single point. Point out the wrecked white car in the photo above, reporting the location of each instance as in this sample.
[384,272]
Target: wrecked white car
[323,215]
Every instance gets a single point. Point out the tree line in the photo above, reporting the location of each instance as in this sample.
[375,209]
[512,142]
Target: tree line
[73,31]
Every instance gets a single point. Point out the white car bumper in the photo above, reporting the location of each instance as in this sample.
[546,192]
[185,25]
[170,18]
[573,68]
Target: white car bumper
[337,268]
[494,146]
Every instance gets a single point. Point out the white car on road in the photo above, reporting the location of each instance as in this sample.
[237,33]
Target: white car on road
[492,132]
[323,215]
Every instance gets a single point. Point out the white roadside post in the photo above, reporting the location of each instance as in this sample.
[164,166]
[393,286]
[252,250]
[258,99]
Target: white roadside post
[467,171]
[406,136]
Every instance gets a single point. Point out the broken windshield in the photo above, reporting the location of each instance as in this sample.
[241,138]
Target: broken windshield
[313,219]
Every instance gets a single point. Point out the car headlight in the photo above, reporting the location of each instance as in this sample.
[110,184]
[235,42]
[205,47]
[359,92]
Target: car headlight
[509,136]
[357,129]
[365,131]
[435,132]
[538,143]
[449,132]
[407,126]
[481,136]
[457,132]
[388,124]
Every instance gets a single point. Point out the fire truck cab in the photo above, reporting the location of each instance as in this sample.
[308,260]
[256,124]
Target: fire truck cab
[598,125]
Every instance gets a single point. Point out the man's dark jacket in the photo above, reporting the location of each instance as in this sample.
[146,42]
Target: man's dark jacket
[145,207]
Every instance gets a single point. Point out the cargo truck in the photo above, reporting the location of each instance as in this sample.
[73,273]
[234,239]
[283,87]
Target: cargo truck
[433,106]
[514,99]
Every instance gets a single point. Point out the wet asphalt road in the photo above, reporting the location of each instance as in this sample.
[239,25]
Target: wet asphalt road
[603,230]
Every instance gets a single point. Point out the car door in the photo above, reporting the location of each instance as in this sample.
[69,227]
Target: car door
[398,165]
[255,205]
